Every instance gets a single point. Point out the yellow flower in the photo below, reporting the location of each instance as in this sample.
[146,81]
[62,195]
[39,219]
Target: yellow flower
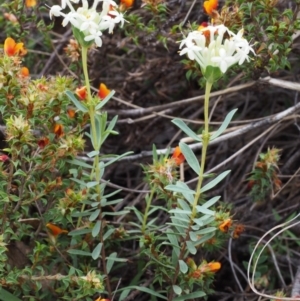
[30,3]
[12,48]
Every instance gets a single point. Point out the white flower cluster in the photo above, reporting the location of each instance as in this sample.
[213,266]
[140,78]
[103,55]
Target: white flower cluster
[216,46]
[87,20]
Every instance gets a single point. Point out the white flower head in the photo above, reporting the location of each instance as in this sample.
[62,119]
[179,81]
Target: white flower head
[88,24]
[217,47]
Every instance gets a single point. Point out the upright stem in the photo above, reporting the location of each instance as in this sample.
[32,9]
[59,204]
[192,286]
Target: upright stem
[205,141]
[96,172]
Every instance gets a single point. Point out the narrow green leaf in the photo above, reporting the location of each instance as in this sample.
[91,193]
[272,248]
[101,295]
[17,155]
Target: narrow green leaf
[82,183]
[96,229]
[154,153]
[144,290]
[177,289]
[7,296]
[94,215]
[215,181]
[79,252]
[184,205]
[20,172]
[112,193]
[105,100]
[190,296]
[190,246]
[79,163]
[113,160]
[177,188]
[96,141]
[112,124]
[117,213]
[190,157]
[223,126]
[138,213]
[183,266]
[112,202]
[211,202]
[93,153]
[204,238]
[206,230]
[205,210]
[181,211]
[96,252]
[110,261]
[174,241]
[108,233]
[186,129]
[79,105]
[193,236]
[91,184]
[81,214]
[188,196]
[78,232]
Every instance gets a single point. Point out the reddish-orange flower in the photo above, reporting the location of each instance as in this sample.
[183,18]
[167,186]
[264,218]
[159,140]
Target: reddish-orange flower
[58,130]
[43,142]
[210,6]
[239,228]
[30,3]
[4,158]
[71,112]
[103,91]
[12,48]
[127,3]
[178,156]
[42,87]
[224,227]
[81,93]
[55,230]
[202,26]
[24,72]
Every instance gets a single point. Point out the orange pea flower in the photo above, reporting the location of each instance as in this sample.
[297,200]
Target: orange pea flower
[214,266]
[224,227]
[127,3]
[55,230]
[81,93]
[178,156]
[43,142]
[239,228]
[58,130]
[210,6]
[30,3]
[71,112]
[103,91]
[24,72]
[12,48]
[100,299]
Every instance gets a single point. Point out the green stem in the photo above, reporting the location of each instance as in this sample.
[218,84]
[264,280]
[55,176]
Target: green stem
[205,141]
[96,172]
